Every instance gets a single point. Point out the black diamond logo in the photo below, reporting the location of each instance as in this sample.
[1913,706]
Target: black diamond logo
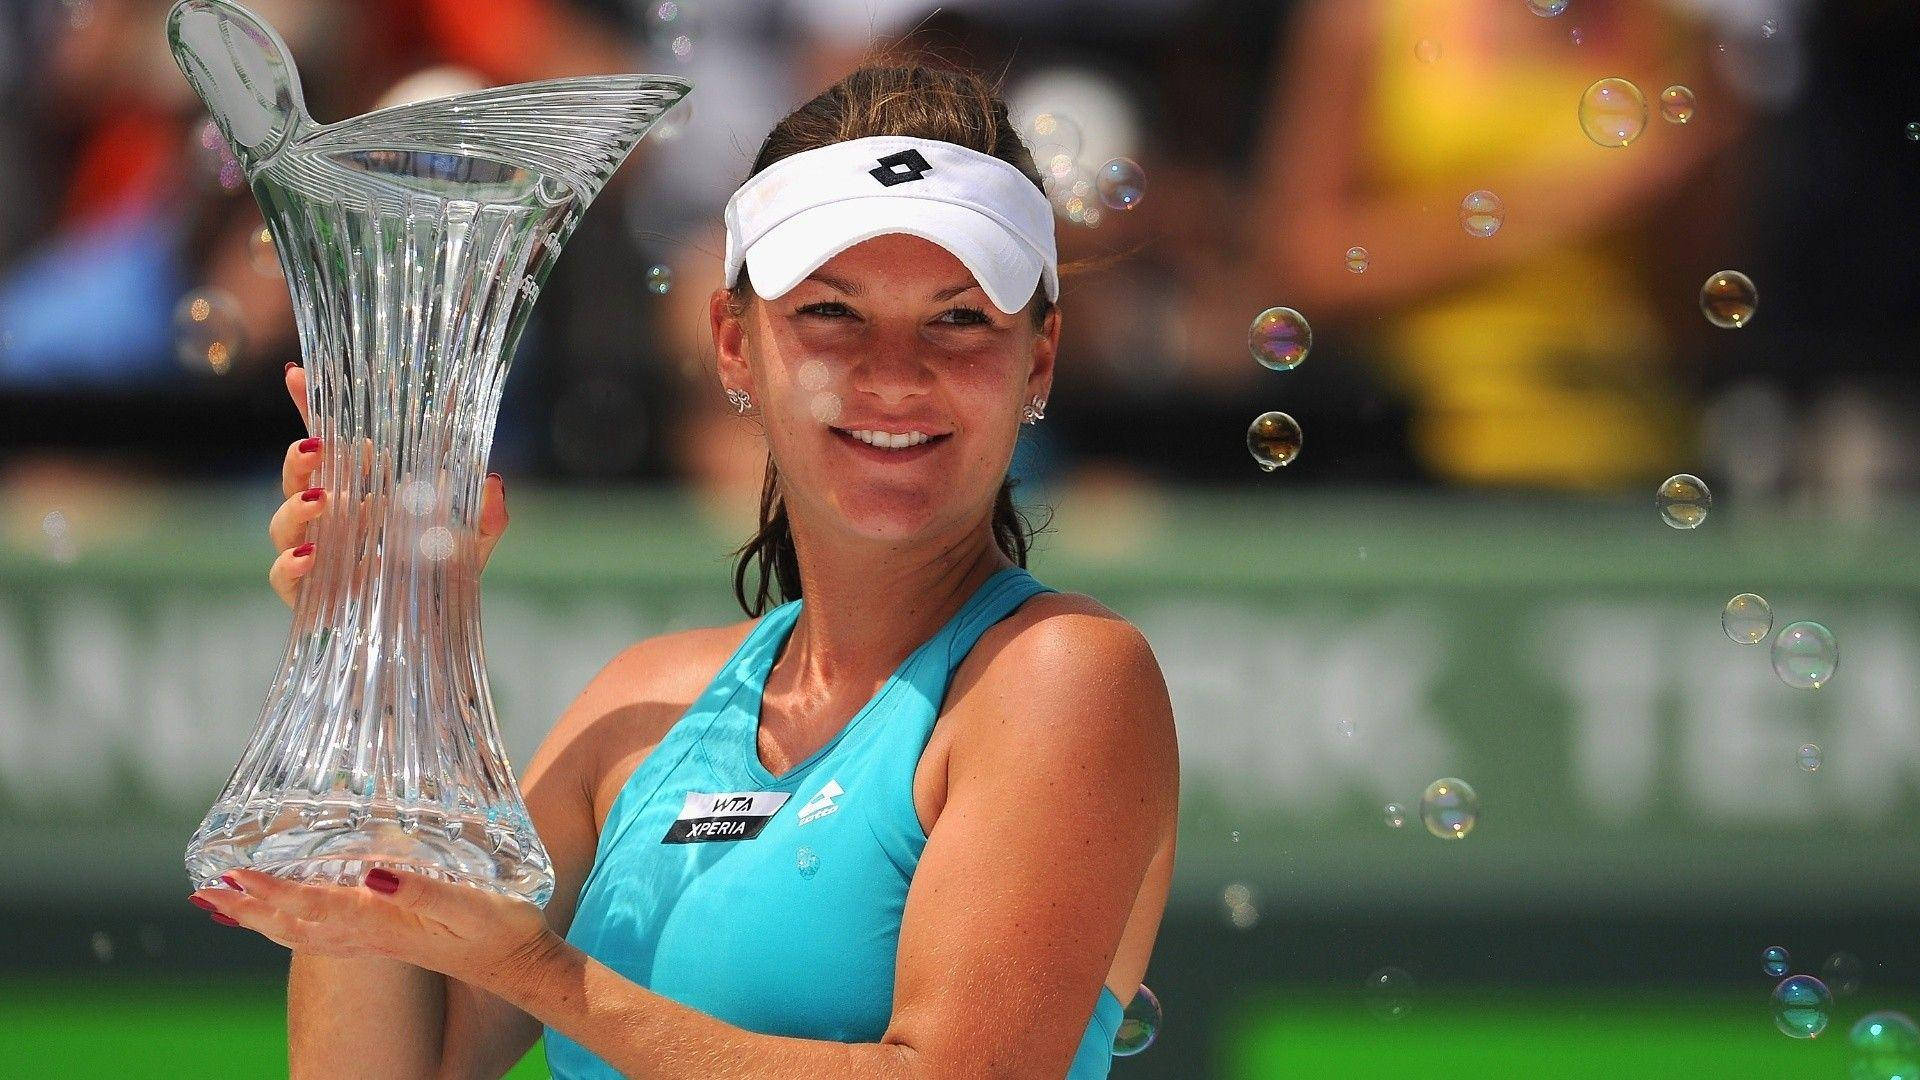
[901,168]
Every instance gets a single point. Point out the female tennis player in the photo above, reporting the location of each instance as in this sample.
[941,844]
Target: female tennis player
[915,822]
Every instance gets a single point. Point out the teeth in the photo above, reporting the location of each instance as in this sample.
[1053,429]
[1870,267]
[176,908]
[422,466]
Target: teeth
[891,442]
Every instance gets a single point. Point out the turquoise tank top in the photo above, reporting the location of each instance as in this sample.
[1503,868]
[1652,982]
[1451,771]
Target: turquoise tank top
[774,903]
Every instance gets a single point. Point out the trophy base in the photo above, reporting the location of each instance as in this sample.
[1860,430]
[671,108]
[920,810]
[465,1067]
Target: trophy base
[335,841]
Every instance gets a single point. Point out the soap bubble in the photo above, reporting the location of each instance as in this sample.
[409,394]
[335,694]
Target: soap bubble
[1390,993]
[1683,500]
[1345,728]
[261,254]
[1121,183]
[1613,112]
[1574,35]
[1769,27]
[1774,960]
[659,279]
[807,861]
[1274,440]
[207,331]
[1842,973]
[1050,129]
[1396,815]
[437,543]
[1887,1033]
[1805,655]
[1234,836]
[1357,259]
[1241,910]
[1728,299]
[1913,131]
[1426,50]
[1547,9]
[1676,104]
[102,945]
[1279,338]
[1482,213]
[419,497]
[1748,619]
[1810,757]
[1450,808]
[1139,1023]
[1800,1006]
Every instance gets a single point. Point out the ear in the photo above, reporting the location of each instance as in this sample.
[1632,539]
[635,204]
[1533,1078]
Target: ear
[1046,345]
[729,341]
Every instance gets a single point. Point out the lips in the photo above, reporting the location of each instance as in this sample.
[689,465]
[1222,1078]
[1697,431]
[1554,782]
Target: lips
[908,453]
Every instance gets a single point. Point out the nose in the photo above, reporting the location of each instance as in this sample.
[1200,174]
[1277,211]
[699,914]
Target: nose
[893,371]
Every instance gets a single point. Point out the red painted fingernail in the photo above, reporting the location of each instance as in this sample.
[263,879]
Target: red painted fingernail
[309,446]
[224,920]
[203,903]
[312,494]
[383,880]
[303,550]
[232,884]
[291,364]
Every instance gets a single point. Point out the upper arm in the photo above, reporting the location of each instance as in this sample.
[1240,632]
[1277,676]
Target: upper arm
[485,1036]
[1063,782]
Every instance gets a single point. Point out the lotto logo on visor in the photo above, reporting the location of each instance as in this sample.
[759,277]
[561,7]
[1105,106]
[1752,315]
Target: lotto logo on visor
[802,210]
[902,168]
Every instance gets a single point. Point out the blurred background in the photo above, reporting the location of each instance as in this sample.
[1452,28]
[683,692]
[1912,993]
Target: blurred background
[1463,574]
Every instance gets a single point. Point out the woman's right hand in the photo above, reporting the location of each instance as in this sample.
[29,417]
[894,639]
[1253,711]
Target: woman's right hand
[289,531]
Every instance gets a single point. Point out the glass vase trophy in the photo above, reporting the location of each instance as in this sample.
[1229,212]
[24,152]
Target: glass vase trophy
[414,240]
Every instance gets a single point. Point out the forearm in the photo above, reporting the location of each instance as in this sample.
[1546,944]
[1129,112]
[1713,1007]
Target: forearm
[369,1017]
[649,1037]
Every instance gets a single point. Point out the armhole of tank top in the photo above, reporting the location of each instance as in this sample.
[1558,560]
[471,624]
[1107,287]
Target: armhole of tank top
[660,767]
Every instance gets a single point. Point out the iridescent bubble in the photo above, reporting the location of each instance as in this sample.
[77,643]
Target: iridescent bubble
[1390,993]
[1774,960]
[102,944]
[1345,728]
[1683,500]
[436,544]
[419,497]
[1728,299]
[1482,213]
[1241,910]
[1574,35]
[1842,973]
[1357,259]
[682,45]
[807,861]
[1396,815]
[1801,1004]
[1139,1023]
[813,375]
[261,254]
[1810,757]
[659,279]
[1052,129]
[1613,112]
[1121,183]
[1547,9]
[1887,1033]
[1450,808]
[1426,50]
[1769,27]
[207,330]
[1913,131]
[1676,104]
[1805,655]
[1747,619]
[826,406]
[1234,836]
[1279,338]
[1274,440]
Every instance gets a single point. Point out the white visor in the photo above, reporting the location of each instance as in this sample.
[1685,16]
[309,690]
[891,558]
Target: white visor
[797,213]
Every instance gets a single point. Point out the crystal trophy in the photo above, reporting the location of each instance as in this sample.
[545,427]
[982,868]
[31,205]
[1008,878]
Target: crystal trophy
[414,240]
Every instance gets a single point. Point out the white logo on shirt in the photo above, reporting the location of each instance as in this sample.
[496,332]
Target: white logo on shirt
[822,804]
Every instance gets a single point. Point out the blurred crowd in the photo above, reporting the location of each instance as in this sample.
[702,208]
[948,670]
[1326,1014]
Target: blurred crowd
[1566,352]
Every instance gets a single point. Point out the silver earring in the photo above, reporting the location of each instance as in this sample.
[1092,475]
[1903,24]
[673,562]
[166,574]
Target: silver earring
[739,400]
[1034,412]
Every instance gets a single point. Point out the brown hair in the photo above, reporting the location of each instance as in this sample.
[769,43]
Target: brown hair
[921,97]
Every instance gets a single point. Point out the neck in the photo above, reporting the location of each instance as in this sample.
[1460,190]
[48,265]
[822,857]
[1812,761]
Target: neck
[865,613]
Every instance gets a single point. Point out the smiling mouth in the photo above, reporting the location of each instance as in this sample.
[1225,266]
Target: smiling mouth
[847,436]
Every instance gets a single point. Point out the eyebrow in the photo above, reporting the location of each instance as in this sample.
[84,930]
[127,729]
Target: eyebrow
[851,289]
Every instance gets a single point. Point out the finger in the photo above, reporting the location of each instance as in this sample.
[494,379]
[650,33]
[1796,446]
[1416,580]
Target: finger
[462,908]
[290,521]
[309,901]
[297,389]
[289,572]
[493,516]
[296,472]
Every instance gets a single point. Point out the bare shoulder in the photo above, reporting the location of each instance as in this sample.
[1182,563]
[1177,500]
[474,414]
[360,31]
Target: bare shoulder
[1055,628]
[641,693]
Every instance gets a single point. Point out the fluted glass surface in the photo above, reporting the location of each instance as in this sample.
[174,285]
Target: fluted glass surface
[415,241]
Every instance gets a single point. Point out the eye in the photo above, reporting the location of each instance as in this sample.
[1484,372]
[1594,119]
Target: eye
[815,309]
[974,316]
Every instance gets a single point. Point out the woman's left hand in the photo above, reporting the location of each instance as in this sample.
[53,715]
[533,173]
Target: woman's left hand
[472,934]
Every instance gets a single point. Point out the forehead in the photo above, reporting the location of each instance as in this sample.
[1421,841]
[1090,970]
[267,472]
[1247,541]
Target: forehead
[899,258]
